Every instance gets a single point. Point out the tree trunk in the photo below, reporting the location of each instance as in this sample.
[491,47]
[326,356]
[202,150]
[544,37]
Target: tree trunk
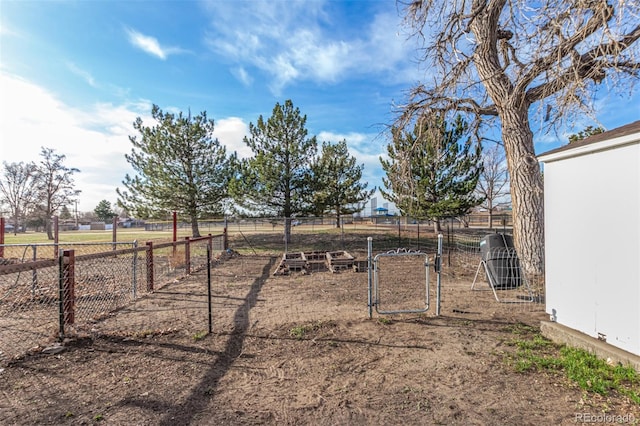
[49,227]
[15,224]
[195,231]
[287,230]
[527,197]
[526,180]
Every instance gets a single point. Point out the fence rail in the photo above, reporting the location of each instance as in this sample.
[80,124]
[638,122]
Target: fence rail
[44,300]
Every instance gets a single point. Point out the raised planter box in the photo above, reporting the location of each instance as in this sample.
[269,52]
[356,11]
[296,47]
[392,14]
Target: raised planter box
[339,260]
[316,261]
[360,265]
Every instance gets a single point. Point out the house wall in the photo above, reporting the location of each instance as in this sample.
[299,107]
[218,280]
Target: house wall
[592,233]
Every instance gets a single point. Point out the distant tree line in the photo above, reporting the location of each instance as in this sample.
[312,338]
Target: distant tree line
[436,171]
[34,192]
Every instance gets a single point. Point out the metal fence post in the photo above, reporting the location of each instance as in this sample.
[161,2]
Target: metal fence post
[438,273]
[114,231]
[209,304]
[448,247]
[149,245]
[369,274]
[225,241]
[187,256]
[135,269]
[34,273]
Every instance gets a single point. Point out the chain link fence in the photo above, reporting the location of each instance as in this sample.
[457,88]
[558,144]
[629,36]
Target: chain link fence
[465,289]
[469,292]
[45,300]
[112,288]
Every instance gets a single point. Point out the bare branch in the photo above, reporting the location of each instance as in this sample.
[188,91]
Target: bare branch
[496,58]
[602,12]
[590,65]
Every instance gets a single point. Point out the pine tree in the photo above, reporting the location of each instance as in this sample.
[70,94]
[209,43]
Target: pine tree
[587,132]
[65,214]
[277,179]
[430,173]
[180,167]
[337,179]
[103,211]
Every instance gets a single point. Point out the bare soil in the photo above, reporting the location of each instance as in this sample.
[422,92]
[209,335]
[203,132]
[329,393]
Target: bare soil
[289,350]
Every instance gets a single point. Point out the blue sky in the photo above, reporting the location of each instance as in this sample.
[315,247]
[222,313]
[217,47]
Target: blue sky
[75,74]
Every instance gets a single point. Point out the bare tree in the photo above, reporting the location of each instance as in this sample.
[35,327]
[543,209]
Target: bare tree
[509,59]
[493,184]
[18,190]
[55,182]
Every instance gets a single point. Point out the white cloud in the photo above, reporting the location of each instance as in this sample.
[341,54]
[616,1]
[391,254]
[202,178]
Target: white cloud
[242,75]
[5,30]
[93,139]
[85,75]
[231,132]
[151,45]
[351,137]
[295,41]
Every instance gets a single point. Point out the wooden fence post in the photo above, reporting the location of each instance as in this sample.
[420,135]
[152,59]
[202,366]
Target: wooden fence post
[68,287]
[114,231]
[149,265]
[1,237]
[225,241]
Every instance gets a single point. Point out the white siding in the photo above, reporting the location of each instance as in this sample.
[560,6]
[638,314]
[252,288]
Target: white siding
[592,233]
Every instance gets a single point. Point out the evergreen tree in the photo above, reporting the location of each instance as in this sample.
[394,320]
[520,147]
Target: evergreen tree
[430,173]
[65,214]
[104,212]
[337,179]
[587,132]
[277,179]
[180,167]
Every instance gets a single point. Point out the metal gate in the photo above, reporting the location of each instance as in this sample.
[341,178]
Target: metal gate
[399,281]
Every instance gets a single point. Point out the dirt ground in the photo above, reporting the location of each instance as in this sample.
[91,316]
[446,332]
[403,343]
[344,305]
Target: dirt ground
[289,350]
